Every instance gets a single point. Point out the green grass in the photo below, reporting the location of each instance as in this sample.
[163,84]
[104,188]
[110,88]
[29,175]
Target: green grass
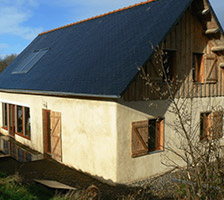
[12,188]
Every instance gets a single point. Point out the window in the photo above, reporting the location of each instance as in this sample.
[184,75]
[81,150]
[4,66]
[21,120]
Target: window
[204,68]
[19,120]
[211,125]
[163,67]
[169,65]
[198,67]
[4,115]
[30,61]
[27,122]
[147,136]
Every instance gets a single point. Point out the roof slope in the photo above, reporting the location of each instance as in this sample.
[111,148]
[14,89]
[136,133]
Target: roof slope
[97,57]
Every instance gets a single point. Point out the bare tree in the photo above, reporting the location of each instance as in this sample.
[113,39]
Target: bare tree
[6,61]
[197,152]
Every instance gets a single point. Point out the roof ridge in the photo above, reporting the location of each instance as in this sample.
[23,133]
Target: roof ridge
[98,16]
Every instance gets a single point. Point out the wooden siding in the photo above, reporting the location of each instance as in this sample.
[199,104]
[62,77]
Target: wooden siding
[185,38]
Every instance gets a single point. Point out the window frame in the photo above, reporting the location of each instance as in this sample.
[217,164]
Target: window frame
[169,71]
[144,138]
[15,118]
[198,67]
[5,116]
[205,134]
[204,68]
[211,121]
[30,61]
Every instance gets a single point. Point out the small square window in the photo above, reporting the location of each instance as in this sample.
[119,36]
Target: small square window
[147,136]
[204,68]
[211,125]
[198,67]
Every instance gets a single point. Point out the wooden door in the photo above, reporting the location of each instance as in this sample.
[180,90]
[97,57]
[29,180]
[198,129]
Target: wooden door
[11,120]
[46,131]
[56,146]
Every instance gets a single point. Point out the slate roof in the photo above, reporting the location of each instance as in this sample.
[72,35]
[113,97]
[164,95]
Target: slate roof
[97,57]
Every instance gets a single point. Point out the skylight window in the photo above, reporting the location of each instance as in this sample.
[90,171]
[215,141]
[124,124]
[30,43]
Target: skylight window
[30,61]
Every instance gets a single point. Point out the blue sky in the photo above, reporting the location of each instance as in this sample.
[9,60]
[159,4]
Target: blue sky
[22,20]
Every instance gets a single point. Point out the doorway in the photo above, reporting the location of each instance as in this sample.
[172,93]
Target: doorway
[52,134]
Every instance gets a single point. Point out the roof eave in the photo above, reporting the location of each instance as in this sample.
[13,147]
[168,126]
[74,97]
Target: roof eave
[61,94]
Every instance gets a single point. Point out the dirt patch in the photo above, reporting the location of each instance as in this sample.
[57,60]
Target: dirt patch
[51,170]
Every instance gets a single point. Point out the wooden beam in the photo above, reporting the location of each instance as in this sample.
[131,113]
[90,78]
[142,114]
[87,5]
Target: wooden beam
[218,48]
[205,11]
[212,31]
[221,65]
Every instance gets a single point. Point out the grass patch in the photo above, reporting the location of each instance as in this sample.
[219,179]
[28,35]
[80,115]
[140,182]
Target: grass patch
[11,188]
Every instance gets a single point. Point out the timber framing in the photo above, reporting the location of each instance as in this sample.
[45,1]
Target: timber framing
[198,31]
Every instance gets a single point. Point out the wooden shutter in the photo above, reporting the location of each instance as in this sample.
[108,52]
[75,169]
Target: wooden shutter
[46,131]
[44,122]
[217,125]
[56,147]
[211,69]
[139,140]
[205,129]
[159,134]
[201,67]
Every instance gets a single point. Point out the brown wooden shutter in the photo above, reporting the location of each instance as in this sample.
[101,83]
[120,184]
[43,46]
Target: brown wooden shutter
[56,146]
[200,65]
[139,140]
[211,68]
[44,122]
[217,125]
[159,134]
[46,131]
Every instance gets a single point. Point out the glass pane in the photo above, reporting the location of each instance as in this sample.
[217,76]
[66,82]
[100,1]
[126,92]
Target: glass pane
[11,119]
[30,61]
[19,119]
[19,69]
[4,113]
[36,58]
[152,135]
[27,122]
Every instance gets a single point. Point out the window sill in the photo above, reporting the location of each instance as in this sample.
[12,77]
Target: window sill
[21,135]
[156,151]
[5,128]
[149,153]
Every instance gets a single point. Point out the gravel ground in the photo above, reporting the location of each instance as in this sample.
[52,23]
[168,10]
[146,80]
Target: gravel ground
[161,186]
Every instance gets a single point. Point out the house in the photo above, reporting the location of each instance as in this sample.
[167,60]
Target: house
[76,94]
